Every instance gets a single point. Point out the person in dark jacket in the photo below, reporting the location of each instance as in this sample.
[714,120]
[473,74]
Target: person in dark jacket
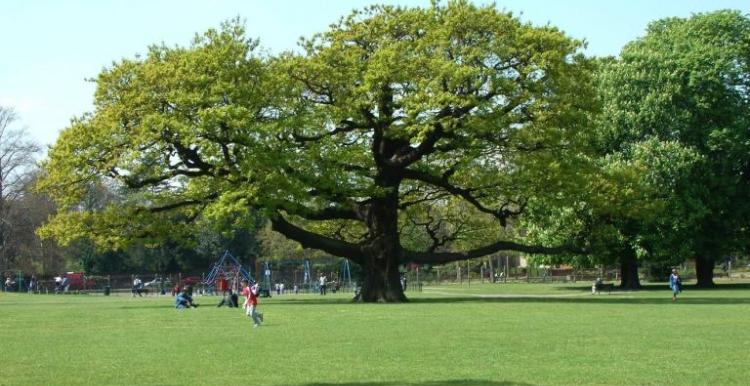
[230,299]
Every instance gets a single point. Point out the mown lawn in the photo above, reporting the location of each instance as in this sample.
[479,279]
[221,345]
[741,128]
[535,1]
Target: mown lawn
[486,335]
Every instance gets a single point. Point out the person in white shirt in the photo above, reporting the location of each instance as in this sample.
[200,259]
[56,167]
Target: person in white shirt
[322,284]
[137,286]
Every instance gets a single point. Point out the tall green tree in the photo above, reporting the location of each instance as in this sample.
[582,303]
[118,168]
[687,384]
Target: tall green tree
[388,113]
[624,217]
[687,81]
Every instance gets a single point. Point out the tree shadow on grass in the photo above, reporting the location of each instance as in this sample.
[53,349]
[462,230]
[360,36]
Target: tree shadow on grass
[454,382]
[592,300]
[147,306]
[662,287]
[604,298]
[322,300]
[566,295]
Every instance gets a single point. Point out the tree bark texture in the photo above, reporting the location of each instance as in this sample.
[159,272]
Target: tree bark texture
[704,272]
[381,281]
[629,272]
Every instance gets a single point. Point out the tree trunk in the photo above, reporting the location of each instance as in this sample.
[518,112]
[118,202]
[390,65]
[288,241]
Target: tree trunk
[381,281]
[629,272]
[704,272]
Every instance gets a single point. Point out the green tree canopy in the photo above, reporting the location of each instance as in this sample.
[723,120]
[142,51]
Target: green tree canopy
[687,82]
[376,126]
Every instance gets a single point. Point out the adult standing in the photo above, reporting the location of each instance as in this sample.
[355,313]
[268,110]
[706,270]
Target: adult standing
[322,282]
[32,284]
[65,284]
[675,284]
[230,299]
[137,286]
[58,284]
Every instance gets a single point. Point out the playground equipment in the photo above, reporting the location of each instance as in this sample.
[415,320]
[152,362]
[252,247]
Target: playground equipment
[266,283]
[308,275]
[346,275]
[227,273]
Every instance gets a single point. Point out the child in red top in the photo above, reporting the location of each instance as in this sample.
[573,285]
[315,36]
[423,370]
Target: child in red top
[251,302]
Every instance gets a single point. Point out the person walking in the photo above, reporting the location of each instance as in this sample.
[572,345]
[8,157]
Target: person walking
[32,284]
[137,286]
[675,284]
[251,302]
[229,299]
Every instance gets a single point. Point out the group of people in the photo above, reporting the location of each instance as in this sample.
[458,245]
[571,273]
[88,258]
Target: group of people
[62,284]
[31,284]
[184,300]
[324,285]
[675,284]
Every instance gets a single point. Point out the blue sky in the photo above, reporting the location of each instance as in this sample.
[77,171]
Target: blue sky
[50,47]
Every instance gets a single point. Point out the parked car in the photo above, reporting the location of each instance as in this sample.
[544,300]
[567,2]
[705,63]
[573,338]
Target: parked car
[158,282]
[78,281]
[191,280]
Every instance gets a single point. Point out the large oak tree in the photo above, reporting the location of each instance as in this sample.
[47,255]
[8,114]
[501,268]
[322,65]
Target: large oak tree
[394,120]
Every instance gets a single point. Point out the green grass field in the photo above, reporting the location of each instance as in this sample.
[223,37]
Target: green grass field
[486,335]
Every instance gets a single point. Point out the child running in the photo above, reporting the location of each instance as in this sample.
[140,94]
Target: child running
[251,302]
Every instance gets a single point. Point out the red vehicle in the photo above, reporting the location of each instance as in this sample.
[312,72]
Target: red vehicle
[191,280]
[78,281]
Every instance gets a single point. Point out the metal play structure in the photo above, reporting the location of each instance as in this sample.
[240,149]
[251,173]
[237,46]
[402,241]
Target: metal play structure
[266,284]
[345,277]
[227,273]
[308,281]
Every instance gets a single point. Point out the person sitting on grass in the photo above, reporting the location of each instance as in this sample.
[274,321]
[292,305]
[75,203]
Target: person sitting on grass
[183,300]
[230,300]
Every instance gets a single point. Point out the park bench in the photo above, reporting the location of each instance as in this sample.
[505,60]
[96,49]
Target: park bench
[600,286]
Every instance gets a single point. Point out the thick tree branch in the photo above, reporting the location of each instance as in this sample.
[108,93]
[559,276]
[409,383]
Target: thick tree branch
[135,182]
[313,240]
[467,194]
[414,154]
[427,197]
[328,213]
[345,126]
[434,228]
[182,204]
[447,257]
